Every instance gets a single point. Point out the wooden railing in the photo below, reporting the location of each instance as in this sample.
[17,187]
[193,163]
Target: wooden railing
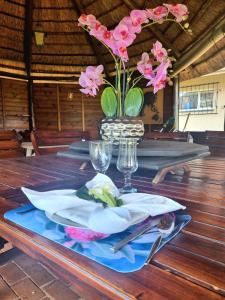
[50,141]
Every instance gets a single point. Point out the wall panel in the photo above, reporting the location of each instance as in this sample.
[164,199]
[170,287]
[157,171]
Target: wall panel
[64,107]
[45,106]
[13,104]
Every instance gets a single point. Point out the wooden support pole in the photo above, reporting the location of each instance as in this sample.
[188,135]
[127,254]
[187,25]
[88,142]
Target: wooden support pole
[3,105]
[30,103]
[83,112]
[176,101]
[58,109]
[28,56]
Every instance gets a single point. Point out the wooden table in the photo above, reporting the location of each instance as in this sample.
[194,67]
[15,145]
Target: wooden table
[191,266]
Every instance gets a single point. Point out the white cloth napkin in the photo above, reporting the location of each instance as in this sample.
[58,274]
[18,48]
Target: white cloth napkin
[109,220]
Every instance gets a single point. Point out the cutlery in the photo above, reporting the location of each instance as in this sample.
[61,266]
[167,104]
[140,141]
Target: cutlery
[165,228]
[139,231]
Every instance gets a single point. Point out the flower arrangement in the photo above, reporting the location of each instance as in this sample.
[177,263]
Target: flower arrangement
[124,98]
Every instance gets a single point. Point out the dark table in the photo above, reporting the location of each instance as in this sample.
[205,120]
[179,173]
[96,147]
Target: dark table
[191,266]
[161,156]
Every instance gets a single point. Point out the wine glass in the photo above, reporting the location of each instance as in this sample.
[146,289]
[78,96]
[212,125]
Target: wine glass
[127,162]
[100,154]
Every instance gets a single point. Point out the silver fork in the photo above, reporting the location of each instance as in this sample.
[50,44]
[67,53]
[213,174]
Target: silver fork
[138,232]
[165,228]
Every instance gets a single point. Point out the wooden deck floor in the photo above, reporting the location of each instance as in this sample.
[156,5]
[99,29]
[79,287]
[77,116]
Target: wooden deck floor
[196,257]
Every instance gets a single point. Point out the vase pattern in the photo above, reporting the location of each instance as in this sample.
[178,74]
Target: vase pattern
[115,128]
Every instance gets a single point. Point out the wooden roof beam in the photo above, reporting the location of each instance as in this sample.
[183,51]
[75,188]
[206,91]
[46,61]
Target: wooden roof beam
[200,47]
[79,8]
[158,34]
[201,11]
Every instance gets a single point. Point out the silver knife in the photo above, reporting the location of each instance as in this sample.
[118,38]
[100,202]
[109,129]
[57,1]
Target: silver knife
[139,231]
[154,248]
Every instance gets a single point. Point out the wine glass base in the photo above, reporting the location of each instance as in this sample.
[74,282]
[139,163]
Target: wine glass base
[128,190]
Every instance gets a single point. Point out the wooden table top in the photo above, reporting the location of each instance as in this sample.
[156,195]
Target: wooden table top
[191,266]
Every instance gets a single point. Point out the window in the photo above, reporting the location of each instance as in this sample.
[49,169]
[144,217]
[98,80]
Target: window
[198,99]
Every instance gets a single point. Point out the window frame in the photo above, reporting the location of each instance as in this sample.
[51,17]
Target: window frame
[198,89]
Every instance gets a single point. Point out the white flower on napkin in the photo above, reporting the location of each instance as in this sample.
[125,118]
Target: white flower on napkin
[102,181]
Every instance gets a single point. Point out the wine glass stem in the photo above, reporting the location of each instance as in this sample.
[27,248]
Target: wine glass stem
[127,180]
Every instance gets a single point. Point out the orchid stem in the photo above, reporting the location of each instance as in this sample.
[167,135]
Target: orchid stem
[114,57]
[107,82]
[124,85]
[135,82]
[167,19]
[119,112]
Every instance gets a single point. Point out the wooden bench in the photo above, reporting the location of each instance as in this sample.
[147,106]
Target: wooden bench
[46,141]
[214,139]
[10,146]
[167,136]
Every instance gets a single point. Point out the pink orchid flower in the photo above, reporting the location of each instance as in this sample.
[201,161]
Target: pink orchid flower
[98,30]
[122,34]
[159,52]
[127,21]
[179,11]
[82,235]
[160,79]
[122,53]
[119,48]
[108,39]
[91,79]
[138,17]
[144,66]
[87,20]
[158,13]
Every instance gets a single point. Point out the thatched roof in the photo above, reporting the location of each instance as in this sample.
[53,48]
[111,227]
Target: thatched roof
[68,49]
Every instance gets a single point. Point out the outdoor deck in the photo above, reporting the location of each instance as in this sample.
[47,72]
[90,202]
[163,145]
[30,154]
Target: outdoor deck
[192,266]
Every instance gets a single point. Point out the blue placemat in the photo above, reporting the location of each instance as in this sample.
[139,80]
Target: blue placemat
[130,258]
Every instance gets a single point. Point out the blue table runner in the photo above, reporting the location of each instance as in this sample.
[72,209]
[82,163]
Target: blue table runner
[130,258]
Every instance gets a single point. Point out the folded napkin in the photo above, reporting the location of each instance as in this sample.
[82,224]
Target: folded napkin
[136,206]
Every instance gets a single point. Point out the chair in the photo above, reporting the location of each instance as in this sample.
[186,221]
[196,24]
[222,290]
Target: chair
[50,141]
[167,136]
[10,146]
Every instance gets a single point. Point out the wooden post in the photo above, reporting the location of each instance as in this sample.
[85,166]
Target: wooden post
[176,101]
[83,112]
[58,108]
[28,56]
[30,103]
[3,105]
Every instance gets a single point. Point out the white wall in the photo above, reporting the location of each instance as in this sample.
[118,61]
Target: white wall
[206,121]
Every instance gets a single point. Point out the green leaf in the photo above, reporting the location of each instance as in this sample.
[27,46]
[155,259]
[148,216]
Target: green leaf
[133,102]
[106,198]
[109,102]
[83,193]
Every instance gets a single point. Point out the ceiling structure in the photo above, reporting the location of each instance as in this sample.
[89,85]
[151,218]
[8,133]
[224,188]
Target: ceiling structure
[68,49]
